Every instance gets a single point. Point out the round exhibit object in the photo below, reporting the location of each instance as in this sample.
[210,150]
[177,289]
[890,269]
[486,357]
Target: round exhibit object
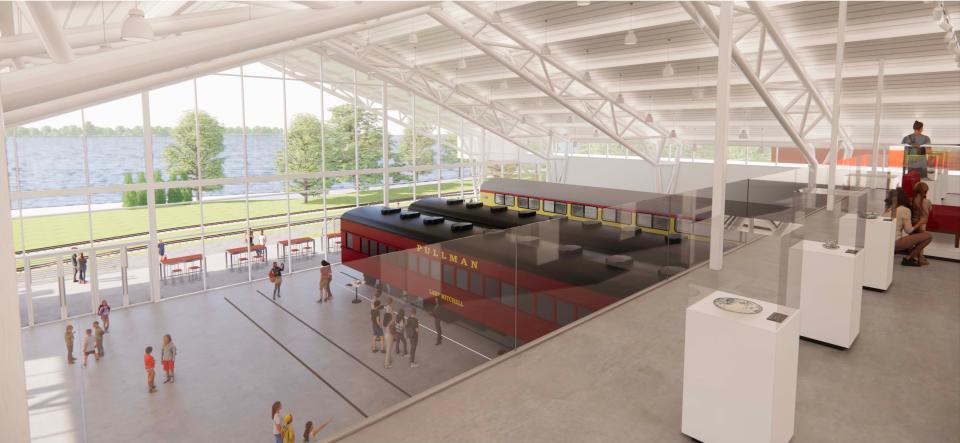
[831,244]
[737,305]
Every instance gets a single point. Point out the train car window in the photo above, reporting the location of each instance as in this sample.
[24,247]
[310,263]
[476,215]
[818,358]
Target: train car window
[564,312]
[507,294]
[644,220]
[576,210]
[609,214]
[350,242]
[374,245]
[583,312]
[463,279]
[522,202]
[545,307]
[448,275]
[534,204]
[590,212]
[492,288]
[435,270]
[547,206]
[624,217]
[526,300]
[661,223]
[498,199]
[508,200]
[425,266]
[364,246]
[560,208]
[383,248]
[411,262]
[476,284]
[683,226]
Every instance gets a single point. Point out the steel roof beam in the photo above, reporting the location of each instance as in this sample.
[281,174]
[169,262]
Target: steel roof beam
[773,30]
[350,58]
[702,15]
[47,26]
[545,85]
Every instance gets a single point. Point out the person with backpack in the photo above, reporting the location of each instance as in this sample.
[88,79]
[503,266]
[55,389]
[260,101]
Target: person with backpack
[398,334]
[104,312]
[412,326]
[276,277]
[287,432]
[311,431]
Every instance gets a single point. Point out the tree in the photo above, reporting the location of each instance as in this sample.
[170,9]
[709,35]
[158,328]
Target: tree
[404,157]
[129,198]
[160,195]
[142,195]
[182,156]
[303,153]
[339,132]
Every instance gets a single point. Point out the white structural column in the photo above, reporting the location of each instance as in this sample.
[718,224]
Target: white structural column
[153,256]
[718,204]
[14,421]
[386,145]
[837,93]
[878,114]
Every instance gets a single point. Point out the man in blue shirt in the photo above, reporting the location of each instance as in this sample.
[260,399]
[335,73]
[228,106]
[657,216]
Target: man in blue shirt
[915,153]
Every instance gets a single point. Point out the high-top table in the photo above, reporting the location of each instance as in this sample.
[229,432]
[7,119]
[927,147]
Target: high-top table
[310,246]
[229,254]
[182,260]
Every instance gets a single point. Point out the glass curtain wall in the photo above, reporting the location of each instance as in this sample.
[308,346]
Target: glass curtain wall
[226,172]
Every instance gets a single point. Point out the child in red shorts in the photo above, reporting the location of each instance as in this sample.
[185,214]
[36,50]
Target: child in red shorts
[149,363]
[167,356]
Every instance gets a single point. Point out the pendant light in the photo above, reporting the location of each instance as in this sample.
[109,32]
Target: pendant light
[495,18]
[938,13]
[462,64]
[630,39]
[648,118]
[413,39]
[136,28]
[743,134]
[668,70]
[504,84]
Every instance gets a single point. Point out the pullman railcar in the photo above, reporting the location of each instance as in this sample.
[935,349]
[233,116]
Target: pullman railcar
[518,285]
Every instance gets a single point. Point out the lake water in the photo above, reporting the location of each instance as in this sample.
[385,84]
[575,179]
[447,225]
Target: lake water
[49,163]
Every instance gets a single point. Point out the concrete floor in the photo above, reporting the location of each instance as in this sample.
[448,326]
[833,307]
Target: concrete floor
[238,352]
[618,375]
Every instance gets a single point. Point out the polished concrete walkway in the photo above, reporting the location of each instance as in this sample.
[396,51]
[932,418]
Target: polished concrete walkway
[618,375]
[238,352]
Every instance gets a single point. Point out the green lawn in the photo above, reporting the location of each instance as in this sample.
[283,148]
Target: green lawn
[55,230]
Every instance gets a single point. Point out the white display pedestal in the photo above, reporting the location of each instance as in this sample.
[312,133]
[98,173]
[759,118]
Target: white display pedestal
[828,291]
[739,373]
[878,238]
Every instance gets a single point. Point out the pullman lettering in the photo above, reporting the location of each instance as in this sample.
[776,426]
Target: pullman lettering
[452,258]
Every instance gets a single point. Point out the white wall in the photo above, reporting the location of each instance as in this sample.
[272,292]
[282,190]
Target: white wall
[638,175]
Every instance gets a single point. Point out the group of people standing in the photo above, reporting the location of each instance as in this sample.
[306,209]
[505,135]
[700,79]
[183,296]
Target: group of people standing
[911,216]
[79,262]
[283,430]
[92,338]
[168,356]
[393,330]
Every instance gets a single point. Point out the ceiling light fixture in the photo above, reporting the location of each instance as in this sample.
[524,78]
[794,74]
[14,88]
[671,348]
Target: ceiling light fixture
[648,118]
[630,39]
[462,64]
[413,39]
[743,134]
[673,133]
[136,28]
[504,84]
[668,70]
[938,13]
[495,18]
[583,2]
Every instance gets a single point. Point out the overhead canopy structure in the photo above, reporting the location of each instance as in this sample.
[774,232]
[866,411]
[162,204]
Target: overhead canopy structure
[633,74]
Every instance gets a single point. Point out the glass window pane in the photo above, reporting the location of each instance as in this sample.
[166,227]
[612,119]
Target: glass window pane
[493,288]
[463,279]
[435,270]
[115,150]
[576,210]
[508,200]
[590,212]
[425,266]
[609,214]
[476,284]
[508,296]
[548,206]
[545,307]
[645,220]
[448,275]
[560,208]
[624,217]
[526,300]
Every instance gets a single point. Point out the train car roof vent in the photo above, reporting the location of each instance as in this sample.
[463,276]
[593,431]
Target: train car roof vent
[525,214]
[474,205]
[432,220]
[570,250]
[461,227]
[591,224]
[495,209]
[529,241]
[620,262]
[409,214]
[389,211]
[454,201]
